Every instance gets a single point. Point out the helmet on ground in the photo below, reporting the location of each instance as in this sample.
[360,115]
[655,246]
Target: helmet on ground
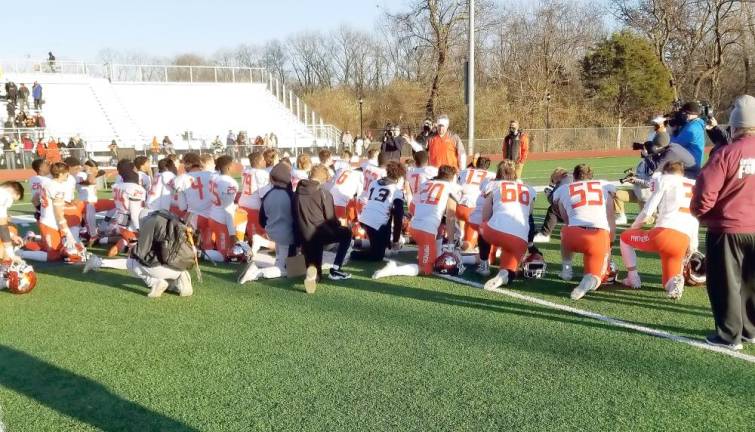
[612,272]
[20,278]
[74,254]
[405,224]
[84,234]
[239,253]
[533,267]
[358,232]
[695,269]
[449,263]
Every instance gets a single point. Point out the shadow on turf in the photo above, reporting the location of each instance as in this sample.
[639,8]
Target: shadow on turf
[118,279]
[76,396]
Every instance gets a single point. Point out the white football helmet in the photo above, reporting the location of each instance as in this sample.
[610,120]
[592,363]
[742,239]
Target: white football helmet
[534,267]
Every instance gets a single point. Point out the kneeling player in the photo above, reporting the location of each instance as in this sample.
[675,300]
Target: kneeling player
[129,199]
[10,192]
[223,189]
[589,226]
[471,181]
[506,221]
[675,230]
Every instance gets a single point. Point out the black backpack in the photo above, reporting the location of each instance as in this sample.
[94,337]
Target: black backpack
[177,251]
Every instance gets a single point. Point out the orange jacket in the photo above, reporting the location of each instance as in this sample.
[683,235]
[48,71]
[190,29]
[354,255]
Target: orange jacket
[446,150]
[53,152]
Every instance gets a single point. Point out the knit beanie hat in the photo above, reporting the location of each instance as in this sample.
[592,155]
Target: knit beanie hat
[280,175]
[743,114]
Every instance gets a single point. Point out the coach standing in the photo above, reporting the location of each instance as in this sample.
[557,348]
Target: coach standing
[724,200]
[445,147]
[516,146]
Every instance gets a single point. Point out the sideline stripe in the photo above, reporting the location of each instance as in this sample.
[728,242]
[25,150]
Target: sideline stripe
[612,321]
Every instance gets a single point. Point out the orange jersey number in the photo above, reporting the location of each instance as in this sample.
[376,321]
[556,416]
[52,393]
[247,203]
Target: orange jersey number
[511,192]
[589,193]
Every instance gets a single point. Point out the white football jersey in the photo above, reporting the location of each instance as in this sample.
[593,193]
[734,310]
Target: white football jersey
[160,196]
[298,175]
[418,175]
[372,173]
[671,196]
[6,201]
[129,200]
[86,192]
[51,191]
[471,180]
[340,164]
[254,184]
[223,189]
[347,184]
[380,197]
[476,216]
[195,187]
[145,180]
[36,183]
[585,202]
[512,206]
[431,203]
[70,188]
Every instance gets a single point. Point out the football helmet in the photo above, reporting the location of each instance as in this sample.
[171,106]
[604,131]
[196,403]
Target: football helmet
[612,272]
[239,253]
[84,234]
[533,267]
[449,263]
[358,232]
[695,269]
[20,278]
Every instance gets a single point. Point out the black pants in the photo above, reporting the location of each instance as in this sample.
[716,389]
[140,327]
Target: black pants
[551,220]
[379,241]
[731,284]
[313,248]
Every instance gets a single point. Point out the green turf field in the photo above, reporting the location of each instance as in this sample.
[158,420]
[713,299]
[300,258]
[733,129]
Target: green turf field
[419,354]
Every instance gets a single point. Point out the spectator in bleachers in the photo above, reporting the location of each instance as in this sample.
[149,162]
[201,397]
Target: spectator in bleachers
[230,144]
[154,150]
[52,153]
[259,141]
[41,149]
[36,94]
[273,139]
[51,61]
[28,149]
[10,108]
[23,96]
[168,146]
[217,146]
[113,148]
[11,93]
[39,121]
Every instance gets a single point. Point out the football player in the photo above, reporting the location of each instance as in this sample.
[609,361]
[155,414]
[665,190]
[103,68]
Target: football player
[346,186]
[471,181]
[506,221]
[374,172]
[255,184]
[129,199]
[56,237]
[326,158]
[10,192]
[160,196]
[223,189]
[194,185]
[586,206]
[383,213]
[437,198]
[344,162]
[271,158]
[87,190]
[675,232]
[42,175]
[75,208]
[144,169]
[418,174]
[303,166]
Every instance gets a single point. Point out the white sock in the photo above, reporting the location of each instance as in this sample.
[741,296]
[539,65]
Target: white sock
[566,265]
[115,263]
[633,274]
[470,259]
[404,270]
[214,256]
[628,254]
[33,255]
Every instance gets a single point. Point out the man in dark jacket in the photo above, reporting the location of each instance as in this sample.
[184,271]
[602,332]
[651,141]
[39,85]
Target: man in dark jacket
[724,201]
[424,137]
[516,147]
[317,226]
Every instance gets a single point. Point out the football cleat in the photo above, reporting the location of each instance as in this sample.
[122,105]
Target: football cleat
[695,269]
[541,238]
[93,263]
[75,253]
[675,287]
[533,267]
[249,273]
[567,274]
[502,278]
[588,283]
[338,275]
[19,278]
[483,269]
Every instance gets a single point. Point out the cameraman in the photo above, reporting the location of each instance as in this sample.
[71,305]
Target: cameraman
[394,142]
[424,137]
[687,140]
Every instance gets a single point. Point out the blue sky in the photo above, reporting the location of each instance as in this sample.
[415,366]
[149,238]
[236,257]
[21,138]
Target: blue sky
[78,29]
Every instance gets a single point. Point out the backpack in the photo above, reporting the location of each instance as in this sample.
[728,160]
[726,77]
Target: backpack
[177,252]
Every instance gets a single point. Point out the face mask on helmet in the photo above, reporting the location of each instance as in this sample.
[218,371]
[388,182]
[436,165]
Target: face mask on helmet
[449,263]
[75,254]
[19,278]
[534,266]
[695,270]
[239,253]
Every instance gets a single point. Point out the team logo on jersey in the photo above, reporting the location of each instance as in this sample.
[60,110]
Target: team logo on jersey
[640,238]
[746,168]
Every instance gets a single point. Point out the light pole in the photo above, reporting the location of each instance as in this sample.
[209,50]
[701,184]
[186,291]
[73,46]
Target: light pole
[547,119]
[470,79]
[361,124]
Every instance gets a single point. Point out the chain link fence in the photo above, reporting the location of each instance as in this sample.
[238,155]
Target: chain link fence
[573,139]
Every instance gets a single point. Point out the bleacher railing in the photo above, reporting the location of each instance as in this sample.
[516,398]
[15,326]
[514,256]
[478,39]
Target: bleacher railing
[307,121]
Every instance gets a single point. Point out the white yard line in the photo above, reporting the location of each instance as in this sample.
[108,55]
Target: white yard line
[608,320]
